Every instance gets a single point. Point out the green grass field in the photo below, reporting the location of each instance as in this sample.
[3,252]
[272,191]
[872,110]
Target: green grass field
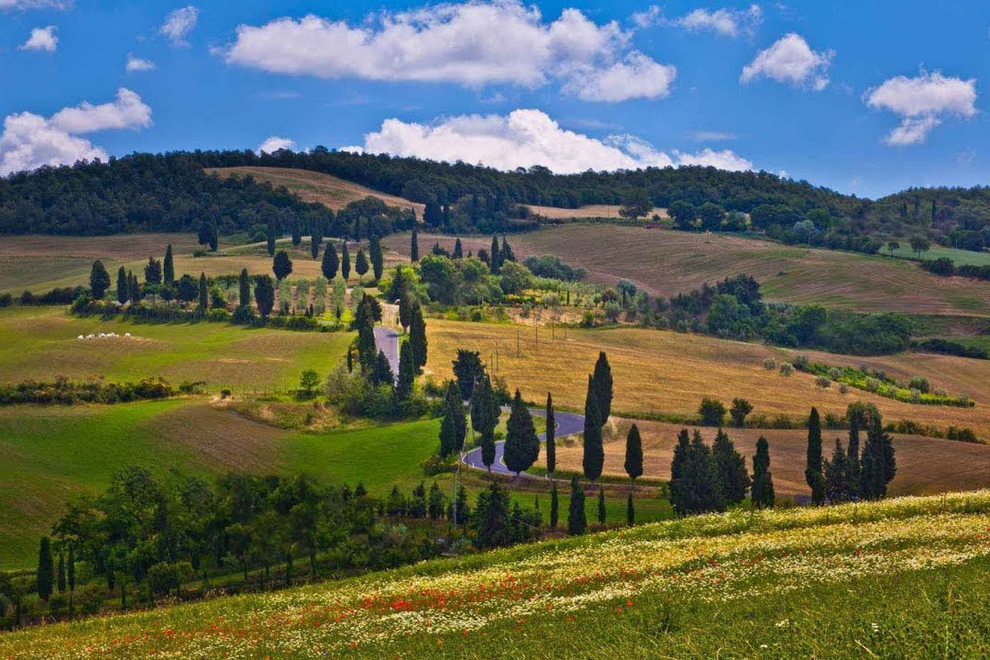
[960,257]
[786,584]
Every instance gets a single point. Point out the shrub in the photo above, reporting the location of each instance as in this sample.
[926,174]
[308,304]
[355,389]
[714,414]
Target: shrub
[801,362]
[962,435]
[920,384]
[769,364]
[872,384]
[823,382]
[835,373]
[740,408]
[786,369]
[939,391]
[843,388]
[712,412]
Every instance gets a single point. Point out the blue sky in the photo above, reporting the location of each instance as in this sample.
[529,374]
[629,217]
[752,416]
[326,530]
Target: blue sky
[866,98]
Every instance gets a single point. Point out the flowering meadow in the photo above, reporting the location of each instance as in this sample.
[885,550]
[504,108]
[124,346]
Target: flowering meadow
[907,577]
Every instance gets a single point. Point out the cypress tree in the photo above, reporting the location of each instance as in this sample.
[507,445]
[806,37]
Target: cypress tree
[345,261]
[61,573]
[382,374]
[603,387]
[270,238]
[488,448]
[448,434]
[554,506]
[634,454]
[601,505]
[168,266]
[122,286]
[316,238]
[594,453]
[630,511]
[407,373]
[204,298]
[577,522]
[678,484]
[494,262]
[361,263]
[551,433]
[522,447]
[456,407]
[330,263]
[152,272]
[296,232]
[458,249]
[763,495]
[813,469]
[731,467]
[878,465]
[836,473]
[244,289]
[282,265]
[857,414]
[377,257]
[264,294]
[46,569]
[417,337]
[99,280]
[367,353]
[133,288]
[414,246]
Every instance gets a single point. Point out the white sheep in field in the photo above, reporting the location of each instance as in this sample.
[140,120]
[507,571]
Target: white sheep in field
[127,335]
[80,337]
[90,336]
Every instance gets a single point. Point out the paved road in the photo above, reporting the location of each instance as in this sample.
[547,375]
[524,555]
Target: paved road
[566,424]
[387,341]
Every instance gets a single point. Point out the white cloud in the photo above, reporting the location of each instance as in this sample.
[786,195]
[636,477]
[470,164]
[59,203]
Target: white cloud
[41,39]
[637,76]
[472,44]
[922,102]
[30,141]
[652,15]
[727,22]
[712,136]
[791,60]
[524,138]
[34,4]
[273,144]
[180,23]
[138,64]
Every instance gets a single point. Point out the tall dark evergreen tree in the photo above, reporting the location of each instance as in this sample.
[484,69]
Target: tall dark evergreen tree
[282,265]
[122,286]
[61,573]
[315,238]
[522,447]
[468,369]
[858,415]
[414,246]
[813,468]
[296,232]
[204,293]
[361,263]
[634,453]
[577,521]
[270,238]
[551,434]
[99,280]
[458,249]
[601,505]
[554,505]
[153,272]
[133,288]
[455,405]
[382,374]
[244,289]
[694,482]
[330,263]
[506,253]
[836,473]
[594,453]
[603,387]
[264,294]
[448,434]
[417,337]
[71,571]
[367,352]
[731,468]
[877,465]
[377,257]
[494,262]
[345,261]
[762,495]
[46,569]
[168,266]
[407,373]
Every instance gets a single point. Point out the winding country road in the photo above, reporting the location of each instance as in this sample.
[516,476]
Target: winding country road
[387,341]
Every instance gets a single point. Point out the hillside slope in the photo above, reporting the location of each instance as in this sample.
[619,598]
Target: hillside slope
[310,186]
[805,583]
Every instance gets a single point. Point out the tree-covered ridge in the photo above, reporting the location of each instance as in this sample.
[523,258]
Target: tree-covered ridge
[169,192]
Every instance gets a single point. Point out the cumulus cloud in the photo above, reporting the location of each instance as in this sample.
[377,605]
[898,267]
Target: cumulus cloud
[922,102]
[41,39]
[727,22]
[138,64]
[29,141]
[790,60]
[273,144]
[524,138]
[471,44]
[180,23]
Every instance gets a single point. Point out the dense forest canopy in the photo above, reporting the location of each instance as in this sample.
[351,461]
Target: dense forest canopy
[170,192]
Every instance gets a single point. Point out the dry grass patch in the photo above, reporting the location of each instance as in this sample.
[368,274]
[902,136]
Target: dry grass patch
[315,186]
[610,211]
[667,372]
[924,465]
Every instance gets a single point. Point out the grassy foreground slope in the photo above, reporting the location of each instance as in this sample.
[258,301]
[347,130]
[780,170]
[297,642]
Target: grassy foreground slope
[799,583]
[666,263]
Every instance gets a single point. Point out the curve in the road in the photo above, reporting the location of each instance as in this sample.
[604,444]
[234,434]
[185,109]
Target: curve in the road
[566,424]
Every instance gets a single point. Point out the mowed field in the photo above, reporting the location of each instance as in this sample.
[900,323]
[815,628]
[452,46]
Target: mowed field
[312,186]
[41,343]
[665,262]
[667,372]
[590,211]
